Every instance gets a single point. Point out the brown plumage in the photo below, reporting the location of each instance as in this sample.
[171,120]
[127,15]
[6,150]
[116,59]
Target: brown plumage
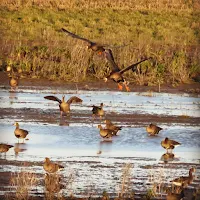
[174,196]
[5,147]
[51,167]
[184,181]
[152,129]
[90,45]
[20,133]
[13,82]
[105,133]
[112,127]
[116,74]
[169,144]
[64,106]
[98,110]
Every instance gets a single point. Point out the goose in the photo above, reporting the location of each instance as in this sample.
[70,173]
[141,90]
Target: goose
[169,144]
[5,147]
[98,110]
[105,133]
[111,126]
[90,45]
[64,106]
[20,133]
[51,167]
[116,74]
[152,129]
[13,82]
[184,180]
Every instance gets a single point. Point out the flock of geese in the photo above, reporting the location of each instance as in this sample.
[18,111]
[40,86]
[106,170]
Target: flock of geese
[110,130]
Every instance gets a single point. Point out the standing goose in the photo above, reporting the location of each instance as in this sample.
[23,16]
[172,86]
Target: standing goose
[90,45]
[169,144]
[5,147]
[112,127]
[152,129]
[64,106]
[184,180]
[98,110]
[116,74]
[13,82]
[20,133]
[105,133]
[51,167]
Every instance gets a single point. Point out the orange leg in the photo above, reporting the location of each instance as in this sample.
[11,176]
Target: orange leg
[120,86]
[127,88]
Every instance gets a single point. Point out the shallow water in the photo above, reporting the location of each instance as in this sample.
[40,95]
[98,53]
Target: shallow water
[97,165]
[119,102]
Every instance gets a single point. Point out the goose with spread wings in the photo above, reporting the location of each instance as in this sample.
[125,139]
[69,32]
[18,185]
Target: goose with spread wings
[116,74]
[90,45]
[64,106]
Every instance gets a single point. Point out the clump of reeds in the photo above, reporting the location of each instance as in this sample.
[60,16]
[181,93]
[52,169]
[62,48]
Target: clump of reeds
[22,183]
[53,185]
[157,180]
[125,190]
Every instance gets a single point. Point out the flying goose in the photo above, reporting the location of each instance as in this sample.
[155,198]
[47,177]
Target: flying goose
[105,133]
[64,106]
[184,180]
[20,133]
[116,74]
[169,144]
[51,167]
[112,127]
[152,129]
[98,110]
[90,45]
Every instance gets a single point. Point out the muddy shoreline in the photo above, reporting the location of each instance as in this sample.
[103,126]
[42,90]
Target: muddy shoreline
[99,85]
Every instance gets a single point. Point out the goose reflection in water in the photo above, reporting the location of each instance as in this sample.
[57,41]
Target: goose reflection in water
[167,157]
[19,147]
[104,146]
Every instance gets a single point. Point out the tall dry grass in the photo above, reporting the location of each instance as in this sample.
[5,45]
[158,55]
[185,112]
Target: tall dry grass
[22,183]
[101,4]
[32,41]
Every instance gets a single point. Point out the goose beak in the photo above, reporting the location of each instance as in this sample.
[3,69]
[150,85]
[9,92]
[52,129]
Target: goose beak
[105,79]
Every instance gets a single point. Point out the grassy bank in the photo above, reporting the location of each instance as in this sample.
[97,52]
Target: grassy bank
[31,39]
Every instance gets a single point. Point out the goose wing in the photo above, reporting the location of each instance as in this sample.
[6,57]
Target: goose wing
[78,37]
[53,98]
[133,66]
[74,99]
[175,143]
[110,58]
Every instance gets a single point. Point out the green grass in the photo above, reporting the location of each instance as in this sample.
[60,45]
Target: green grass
[32,40]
